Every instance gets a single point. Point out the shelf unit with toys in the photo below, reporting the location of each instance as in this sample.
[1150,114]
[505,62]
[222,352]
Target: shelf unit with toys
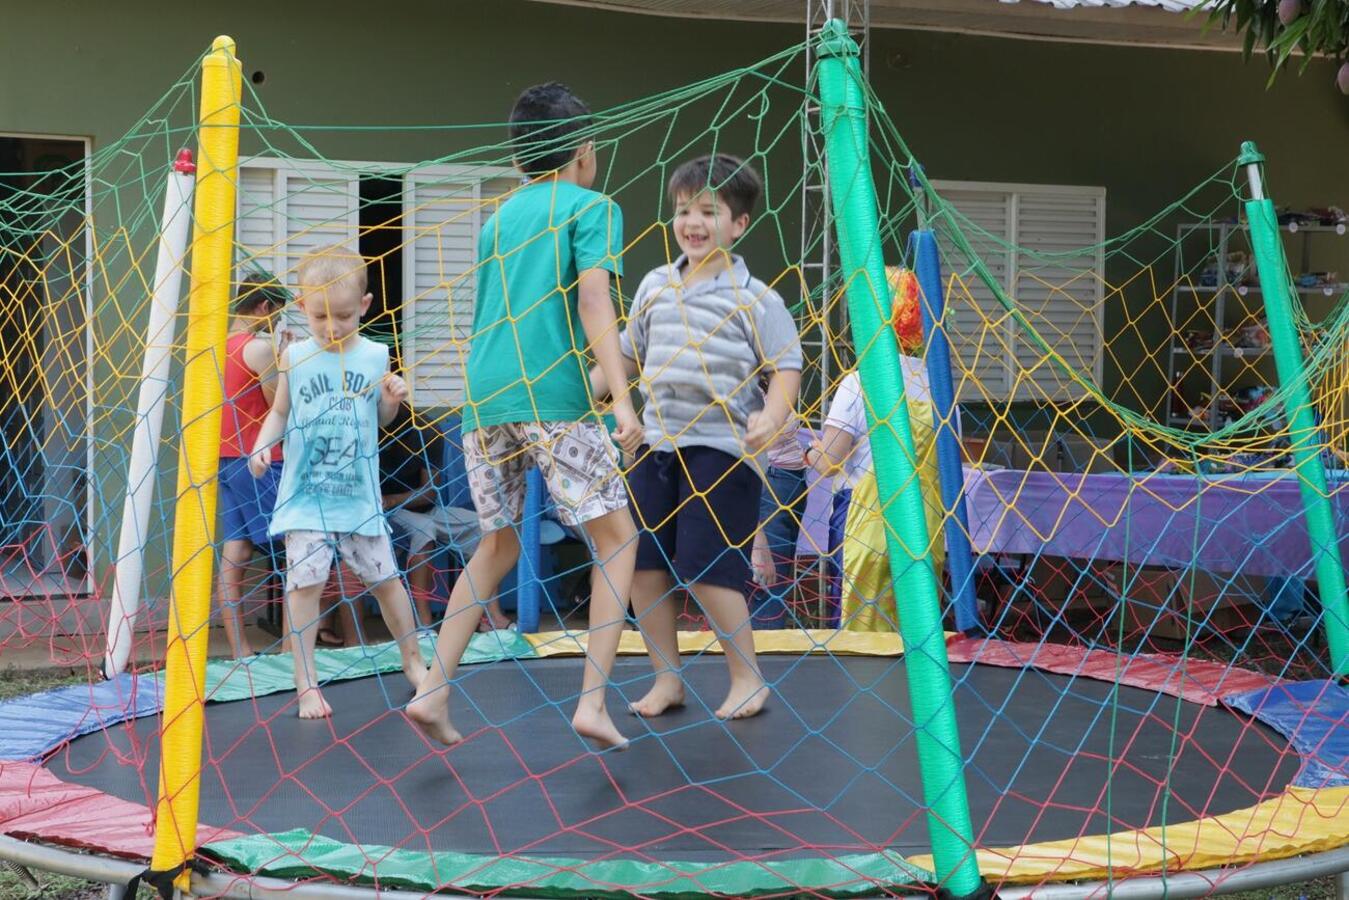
[1221,339]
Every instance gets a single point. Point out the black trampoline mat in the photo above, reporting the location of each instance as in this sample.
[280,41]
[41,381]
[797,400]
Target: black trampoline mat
[830,768]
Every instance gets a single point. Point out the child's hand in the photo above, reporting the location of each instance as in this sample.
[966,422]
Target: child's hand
[628,434]
[761,564]
[259,462]
[393,389]
[284,338]
[760,430]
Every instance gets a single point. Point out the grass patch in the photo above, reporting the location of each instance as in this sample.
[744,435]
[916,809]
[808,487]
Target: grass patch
[15,682]
[51,887]
[1320,889]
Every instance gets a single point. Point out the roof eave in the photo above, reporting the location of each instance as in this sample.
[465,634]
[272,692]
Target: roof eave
[1133,26]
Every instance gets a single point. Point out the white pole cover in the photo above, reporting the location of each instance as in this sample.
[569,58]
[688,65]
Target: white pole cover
[174,230]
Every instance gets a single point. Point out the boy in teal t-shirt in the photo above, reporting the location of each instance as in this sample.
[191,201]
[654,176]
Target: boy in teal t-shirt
[545,260]
[527,360]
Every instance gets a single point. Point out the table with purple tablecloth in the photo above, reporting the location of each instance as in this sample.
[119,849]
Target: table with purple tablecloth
[1250,523]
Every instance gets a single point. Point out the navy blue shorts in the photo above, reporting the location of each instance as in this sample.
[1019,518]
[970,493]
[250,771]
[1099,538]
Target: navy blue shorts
[246,503]
[700,539]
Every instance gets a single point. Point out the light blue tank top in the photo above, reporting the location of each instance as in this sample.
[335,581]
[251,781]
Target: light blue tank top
[330,479]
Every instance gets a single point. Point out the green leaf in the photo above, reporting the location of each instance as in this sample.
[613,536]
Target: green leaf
[1321,31]
[1293,33]
[1244,11]
[1287,42]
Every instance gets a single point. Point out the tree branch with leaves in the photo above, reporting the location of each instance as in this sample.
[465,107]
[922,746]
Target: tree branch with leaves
[1281,27]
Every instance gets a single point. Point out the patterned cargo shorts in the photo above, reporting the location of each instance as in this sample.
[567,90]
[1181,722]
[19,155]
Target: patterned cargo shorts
[578,462]
[309,557]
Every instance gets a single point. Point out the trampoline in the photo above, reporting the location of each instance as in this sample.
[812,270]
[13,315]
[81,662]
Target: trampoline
[822,794]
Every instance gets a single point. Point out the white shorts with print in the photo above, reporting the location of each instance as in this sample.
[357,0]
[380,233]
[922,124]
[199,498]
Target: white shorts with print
[578,461]
[309,557]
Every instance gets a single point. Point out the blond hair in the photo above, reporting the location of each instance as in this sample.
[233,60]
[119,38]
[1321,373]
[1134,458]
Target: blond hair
[335,265]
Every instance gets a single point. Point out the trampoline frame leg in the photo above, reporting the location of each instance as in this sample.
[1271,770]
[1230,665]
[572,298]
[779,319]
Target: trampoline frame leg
[22,873]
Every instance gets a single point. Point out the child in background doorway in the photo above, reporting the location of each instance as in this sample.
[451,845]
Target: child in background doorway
[246,503]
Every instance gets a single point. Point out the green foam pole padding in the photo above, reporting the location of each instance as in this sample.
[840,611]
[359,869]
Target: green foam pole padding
[918,604]
[1311,472]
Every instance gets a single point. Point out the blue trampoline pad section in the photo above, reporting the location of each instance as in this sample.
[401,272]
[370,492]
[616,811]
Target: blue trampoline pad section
[1314,717]
[34,725]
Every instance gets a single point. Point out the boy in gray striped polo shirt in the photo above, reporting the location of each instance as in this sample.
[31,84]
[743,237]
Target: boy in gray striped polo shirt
[701,332]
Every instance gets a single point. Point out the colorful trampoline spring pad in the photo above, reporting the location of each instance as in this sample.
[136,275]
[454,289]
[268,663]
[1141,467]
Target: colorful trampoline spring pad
[1306,811]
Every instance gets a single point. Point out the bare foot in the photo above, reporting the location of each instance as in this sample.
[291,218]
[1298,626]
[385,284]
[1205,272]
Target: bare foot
[493,622]
[312,705]
[416,675]
[596,727]
[433,719]
[665,694]
[745,699]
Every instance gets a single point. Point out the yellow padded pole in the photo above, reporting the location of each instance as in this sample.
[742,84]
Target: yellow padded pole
[198,462]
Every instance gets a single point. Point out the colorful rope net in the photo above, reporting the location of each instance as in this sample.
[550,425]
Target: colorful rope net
[1136,635]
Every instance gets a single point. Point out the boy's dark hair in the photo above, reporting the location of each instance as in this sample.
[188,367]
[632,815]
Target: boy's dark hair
[543,123]
[257,288]
[729,177]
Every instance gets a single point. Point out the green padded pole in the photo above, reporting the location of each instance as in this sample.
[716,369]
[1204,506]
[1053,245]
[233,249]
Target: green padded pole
[856,221]
[1272,268]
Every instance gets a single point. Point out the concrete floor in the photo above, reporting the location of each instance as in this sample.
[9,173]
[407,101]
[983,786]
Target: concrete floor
[74,651]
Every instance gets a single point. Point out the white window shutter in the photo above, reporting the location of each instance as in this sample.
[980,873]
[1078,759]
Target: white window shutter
[444,208]
[322,205]
[256,231]
[287,208]
[977,323]
[1060,296]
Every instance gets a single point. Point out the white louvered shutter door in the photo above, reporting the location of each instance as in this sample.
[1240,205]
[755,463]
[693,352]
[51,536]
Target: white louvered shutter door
[1060,288]
[978,325]
[321,206]
[444,208]
[287,208]
[440,218]
[256,227]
